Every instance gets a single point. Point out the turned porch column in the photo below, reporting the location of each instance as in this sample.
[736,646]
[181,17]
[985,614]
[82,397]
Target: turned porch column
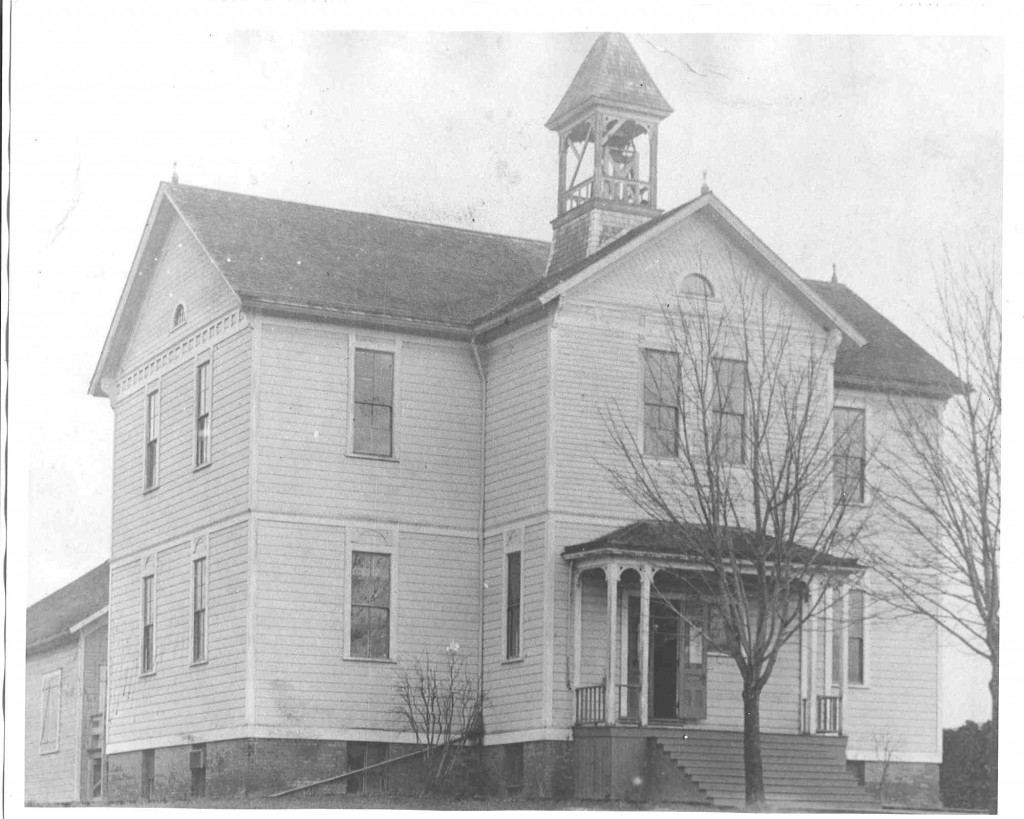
[611,677]
[646,575]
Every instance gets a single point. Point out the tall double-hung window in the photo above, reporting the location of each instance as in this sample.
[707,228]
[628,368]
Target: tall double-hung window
[373,403]
[152,438]
[730,410]
[661,403]
[849,454]
[199,586]
[203,419]
[148,624]
[513,604]
[855,641]
[370,630]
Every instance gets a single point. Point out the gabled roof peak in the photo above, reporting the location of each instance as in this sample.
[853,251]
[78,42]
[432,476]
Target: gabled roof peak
[613,74]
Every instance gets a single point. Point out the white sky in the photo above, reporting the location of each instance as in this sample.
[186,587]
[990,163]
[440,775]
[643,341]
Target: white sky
[873,152]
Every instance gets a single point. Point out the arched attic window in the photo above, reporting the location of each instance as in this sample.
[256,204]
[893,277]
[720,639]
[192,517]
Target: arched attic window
[179,317]
[696,285]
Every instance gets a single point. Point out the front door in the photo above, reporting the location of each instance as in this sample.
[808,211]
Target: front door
[666,652]
[693,683]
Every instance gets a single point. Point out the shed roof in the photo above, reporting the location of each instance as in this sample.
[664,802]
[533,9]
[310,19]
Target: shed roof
[684,540]
[49,621]
[612,73]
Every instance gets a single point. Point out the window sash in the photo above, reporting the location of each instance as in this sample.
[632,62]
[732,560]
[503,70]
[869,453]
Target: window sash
[152,437]
[199,609]
[203,421]
[730,409]
[148,617]
[513,604]
[849,454]
[661,403]
[370,628]
[373,402]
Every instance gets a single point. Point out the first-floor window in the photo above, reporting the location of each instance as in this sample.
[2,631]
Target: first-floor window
[49,730]
[199,609]
[513,603]
[148,623]
[370,634]
[855,636]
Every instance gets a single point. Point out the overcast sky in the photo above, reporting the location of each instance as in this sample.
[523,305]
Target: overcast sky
[870,152]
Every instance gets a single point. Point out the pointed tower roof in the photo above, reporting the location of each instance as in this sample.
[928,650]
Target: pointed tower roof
[612,74]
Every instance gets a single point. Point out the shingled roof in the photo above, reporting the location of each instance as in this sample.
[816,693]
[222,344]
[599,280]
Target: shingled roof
[274,252]
[684,540]
[890,359]
[612,73]
[48,622]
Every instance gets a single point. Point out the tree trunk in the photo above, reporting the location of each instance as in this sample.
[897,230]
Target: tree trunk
[753,769]
[993,749]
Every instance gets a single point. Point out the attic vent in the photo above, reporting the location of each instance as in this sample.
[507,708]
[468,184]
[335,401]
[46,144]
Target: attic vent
[179,317]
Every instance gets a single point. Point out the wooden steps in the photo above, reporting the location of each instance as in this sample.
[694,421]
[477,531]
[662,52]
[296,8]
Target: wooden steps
[800,772]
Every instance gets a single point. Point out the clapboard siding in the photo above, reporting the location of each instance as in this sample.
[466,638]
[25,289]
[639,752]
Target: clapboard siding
[780,698]
[303,429]
[185,498]
[184,275]
[50,777]
[517,418]
[179,697]
[303,680]
[514,689]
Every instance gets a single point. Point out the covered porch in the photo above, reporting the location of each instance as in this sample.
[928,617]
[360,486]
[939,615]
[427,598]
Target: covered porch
[648,647]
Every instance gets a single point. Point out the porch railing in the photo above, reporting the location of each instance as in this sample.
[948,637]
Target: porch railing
[590,705]
[829,715]
[629,703]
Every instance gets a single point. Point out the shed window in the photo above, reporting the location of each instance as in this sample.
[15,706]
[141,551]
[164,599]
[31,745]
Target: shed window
[49,707]
[730,409]
[370,634]
[513,604]
[661,403]
[848,456]
[373,403]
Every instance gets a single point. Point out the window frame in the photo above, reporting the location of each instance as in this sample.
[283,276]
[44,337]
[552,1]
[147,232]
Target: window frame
[373,541]
[52,746]
[644,404]
[200,553]
[513,545]
[837,486]
[375,345]
[718,412]
[151,425]
[175,324]
[709,293]
[204,361]
[146,670]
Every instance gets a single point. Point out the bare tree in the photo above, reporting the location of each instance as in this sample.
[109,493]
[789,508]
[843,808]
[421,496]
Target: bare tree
[943,472]
[442,704]
[736,459]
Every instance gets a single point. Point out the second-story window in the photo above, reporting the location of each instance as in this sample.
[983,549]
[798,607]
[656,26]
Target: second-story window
[199,610]
[848,454]
[373,403]
[152,437]
[203,418]
[661,403]
[730,410]
[148,624]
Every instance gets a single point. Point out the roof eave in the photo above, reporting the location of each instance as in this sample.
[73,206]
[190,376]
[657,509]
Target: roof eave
[560,120]
[894,386]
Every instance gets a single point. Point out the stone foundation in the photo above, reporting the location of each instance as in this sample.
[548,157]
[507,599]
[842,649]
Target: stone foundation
[904,784]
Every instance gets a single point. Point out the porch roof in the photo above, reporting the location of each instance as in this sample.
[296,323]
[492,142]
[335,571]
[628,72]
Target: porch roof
[681,541]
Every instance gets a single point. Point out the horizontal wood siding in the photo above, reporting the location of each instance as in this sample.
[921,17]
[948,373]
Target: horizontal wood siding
[50,777]
[179,697]
[517,417]
[186,499]
[780,698]
[514,688]
[184,275]
[303,681]
[303,464]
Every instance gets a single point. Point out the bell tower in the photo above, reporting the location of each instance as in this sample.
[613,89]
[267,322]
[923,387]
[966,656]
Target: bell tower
[607,126]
